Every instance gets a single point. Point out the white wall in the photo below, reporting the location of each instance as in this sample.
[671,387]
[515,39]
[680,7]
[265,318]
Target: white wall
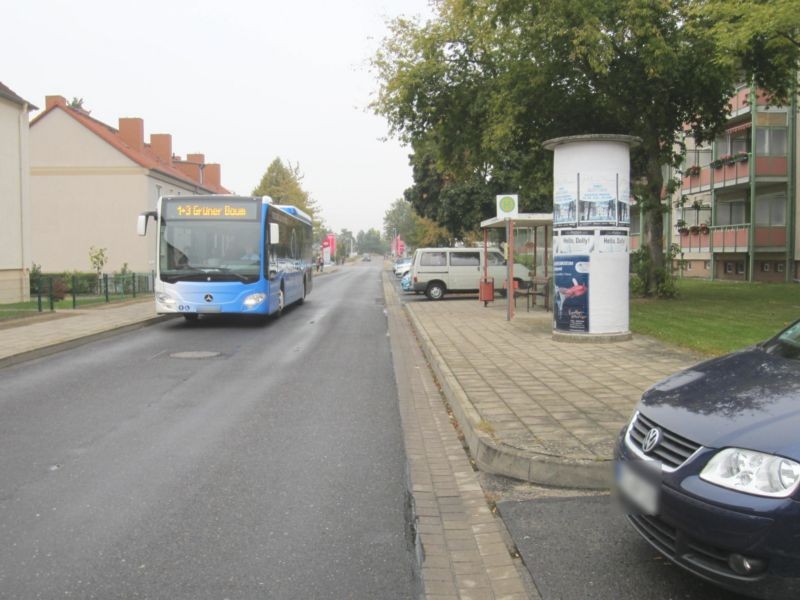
[14,202]
[84,193]
[13,184]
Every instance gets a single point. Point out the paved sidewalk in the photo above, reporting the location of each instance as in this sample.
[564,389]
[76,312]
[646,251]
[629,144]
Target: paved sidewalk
[533,408]
[25,339]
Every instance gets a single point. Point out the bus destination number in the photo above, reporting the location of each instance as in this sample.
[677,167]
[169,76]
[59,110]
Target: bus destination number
[200,210]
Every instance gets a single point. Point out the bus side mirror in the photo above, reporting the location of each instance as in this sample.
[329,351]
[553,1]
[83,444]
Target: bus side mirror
[141,223]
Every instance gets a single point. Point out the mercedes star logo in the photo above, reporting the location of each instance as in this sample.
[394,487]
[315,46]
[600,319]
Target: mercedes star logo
[208,297]
[651,440]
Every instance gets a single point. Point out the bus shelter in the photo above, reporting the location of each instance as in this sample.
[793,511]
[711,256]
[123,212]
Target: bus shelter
[527,240]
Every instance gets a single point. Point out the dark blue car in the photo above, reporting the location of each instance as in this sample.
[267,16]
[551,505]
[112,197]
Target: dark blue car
[709,468]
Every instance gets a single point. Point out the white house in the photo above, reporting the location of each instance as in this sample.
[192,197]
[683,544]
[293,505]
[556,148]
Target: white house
[15,248]
[90,181]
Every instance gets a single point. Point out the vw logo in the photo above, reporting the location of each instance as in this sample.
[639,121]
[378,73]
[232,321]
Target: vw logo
[651,440]
[208,298]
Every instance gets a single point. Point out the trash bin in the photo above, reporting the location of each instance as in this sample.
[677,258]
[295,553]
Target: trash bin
[486,290]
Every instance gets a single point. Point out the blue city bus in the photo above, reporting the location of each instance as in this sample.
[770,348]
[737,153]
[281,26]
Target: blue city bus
[229,255]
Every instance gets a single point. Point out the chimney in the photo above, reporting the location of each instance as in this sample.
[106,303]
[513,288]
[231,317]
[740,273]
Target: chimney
[191,170]
[51,101]
[212,175]
[131,130]
[199,159]
[161,146]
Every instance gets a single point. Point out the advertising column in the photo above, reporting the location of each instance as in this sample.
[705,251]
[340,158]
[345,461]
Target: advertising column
[591,221]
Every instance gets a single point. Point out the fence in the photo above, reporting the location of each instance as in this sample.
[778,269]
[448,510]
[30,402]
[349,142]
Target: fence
[62,292]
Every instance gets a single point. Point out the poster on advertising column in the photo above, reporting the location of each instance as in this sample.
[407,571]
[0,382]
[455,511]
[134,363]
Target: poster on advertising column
[571,278]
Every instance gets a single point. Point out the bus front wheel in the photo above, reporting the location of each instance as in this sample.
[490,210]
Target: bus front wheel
[281,303]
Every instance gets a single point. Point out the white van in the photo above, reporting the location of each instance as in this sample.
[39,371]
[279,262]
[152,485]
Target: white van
[437,271]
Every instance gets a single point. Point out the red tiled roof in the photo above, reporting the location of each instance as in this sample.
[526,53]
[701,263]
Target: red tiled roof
[145,158]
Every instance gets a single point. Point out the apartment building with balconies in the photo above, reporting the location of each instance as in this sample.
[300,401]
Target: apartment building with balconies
[734,214]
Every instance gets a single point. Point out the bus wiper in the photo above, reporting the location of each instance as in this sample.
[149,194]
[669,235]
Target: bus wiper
[227,271]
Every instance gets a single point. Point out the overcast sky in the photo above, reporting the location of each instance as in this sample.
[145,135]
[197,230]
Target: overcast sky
[243,82]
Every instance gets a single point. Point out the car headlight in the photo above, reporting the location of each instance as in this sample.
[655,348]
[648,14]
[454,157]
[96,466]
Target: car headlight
[166,299]
[254,300]
[753,472]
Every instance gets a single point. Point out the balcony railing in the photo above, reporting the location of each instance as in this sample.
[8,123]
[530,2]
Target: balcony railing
[733,171]
[732,238]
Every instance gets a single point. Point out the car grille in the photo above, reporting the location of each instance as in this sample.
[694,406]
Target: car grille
[672,451]
[678,546]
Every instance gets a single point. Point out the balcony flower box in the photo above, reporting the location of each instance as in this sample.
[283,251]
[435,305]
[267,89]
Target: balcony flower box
[692,171]
[741,157]
[694,229]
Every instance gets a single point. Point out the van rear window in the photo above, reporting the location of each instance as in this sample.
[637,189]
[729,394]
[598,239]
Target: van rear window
[465,259]
[433,259]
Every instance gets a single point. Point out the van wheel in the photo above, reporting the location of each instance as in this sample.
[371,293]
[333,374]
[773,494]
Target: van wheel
[435,291]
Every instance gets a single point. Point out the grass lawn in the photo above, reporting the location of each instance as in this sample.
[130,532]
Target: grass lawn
[716,317]
[26,309]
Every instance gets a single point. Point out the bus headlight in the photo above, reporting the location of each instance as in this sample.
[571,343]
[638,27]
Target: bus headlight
[254,300]
[166,300]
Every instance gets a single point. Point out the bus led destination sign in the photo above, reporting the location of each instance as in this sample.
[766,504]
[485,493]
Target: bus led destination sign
[200,209]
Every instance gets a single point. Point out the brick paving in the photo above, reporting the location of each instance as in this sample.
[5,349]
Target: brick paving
[527,401]
[461,547]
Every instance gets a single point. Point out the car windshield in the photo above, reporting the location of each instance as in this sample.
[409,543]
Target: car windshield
[787,343]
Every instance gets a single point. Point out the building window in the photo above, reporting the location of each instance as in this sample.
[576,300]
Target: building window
[740,268]
[771,211]
[765,267]
[689,265]
[706,265]
[732,143]
[779,267]
[732,213]
[729,267]
[771,141]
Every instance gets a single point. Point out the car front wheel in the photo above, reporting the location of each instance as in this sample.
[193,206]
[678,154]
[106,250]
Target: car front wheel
[435,291]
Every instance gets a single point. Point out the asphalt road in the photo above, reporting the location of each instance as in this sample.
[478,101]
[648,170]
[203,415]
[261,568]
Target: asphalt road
[580,547]
[224,459]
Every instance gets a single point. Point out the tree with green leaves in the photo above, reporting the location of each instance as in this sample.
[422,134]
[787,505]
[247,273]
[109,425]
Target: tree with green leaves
[760,38]
[98,259]
[400,219]
[477,90]
[370,242]
[345,241]
[282,183]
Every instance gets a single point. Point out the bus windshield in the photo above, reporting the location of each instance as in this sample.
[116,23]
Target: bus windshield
[209,249]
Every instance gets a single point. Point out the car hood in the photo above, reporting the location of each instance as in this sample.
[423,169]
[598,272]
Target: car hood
[749,399]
